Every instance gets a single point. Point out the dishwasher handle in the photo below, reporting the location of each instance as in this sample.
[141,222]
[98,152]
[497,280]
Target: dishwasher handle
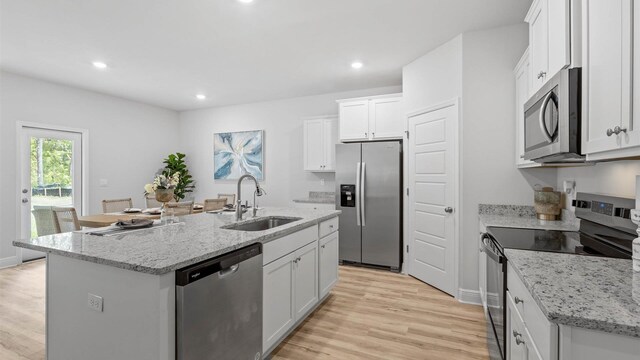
[224,265]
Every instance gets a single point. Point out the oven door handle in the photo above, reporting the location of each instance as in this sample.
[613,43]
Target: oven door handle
[543,109]
[490,253]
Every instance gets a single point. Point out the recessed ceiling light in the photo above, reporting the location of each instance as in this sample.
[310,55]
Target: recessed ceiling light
[201,96]
[356,65]
[99,65]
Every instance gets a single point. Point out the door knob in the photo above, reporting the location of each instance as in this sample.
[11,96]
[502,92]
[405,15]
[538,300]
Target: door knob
[25,200]
[448,210]
[617,130]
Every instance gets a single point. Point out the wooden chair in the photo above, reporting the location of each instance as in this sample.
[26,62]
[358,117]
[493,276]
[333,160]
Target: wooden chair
[181,208]
[66,219]
[117,205]
[231,198]
[213,204]
[45,220]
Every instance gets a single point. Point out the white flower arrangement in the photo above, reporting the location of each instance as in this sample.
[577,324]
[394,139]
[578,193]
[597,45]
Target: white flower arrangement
[162,182]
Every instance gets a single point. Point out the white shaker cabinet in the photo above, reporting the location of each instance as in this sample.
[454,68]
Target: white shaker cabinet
[607,79]
[328,254]
[278,300]
[549,39]
[372,118]
[320,138]
[523,91]
[305,289]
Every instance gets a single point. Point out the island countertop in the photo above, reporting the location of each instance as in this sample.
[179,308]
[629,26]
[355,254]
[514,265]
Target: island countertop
[163,249]
[582,291]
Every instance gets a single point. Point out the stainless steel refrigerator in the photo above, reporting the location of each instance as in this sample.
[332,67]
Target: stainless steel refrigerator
[369,193]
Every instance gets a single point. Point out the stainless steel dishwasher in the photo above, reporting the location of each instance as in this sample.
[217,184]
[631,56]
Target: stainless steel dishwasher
[219,307]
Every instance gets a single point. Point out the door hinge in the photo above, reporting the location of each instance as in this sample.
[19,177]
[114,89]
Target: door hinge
[407,191]
[407,248]
[407,132]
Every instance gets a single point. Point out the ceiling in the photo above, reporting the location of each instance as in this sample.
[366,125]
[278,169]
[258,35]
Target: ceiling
[164,52]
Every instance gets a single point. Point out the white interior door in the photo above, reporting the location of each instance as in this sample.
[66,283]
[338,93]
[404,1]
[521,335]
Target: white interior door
[432,174]
[51,175]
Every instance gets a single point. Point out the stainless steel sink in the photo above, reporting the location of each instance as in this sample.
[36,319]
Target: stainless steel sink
[266,223]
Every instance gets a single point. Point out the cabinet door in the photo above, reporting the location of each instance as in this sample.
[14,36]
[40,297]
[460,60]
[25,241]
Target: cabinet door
[559,35]
[632,137]
[277,300]
[313,145]
[305,288]
[386,118]
[539,44]
[329,140]
[354,120]
[515,341]
[606,72]
[328,263]
[522,95]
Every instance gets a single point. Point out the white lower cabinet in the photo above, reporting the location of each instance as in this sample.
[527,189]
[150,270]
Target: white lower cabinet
[328,263]
[305,287]
[298,271]
[277,294]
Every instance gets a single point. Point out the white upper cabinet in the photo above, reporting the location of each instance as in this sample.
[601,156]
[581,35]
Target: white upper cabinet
[607,56]
[523,87]
[549,39]
[374,118]
[320,138]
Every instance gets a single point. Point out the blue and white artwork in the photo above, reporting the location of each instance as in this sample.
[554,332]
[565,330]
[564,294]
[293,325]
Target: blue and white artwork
[236,154]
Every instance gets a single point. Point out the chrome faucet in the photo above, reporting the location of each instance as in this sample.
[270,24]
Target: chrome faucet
[258,192]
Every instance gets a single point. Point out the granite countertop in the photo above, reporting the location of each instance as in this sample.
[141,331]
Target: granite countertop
[582,291]
[167,248]
[318,197]
[524,217]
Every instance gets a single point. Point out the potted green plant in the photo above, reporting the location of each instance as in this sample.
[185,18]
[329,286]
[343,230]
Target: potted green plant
[175,164]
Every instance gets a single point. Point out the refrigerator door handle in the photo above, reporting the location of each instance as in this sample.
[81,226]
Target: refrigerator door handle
[362,187]
[357,194]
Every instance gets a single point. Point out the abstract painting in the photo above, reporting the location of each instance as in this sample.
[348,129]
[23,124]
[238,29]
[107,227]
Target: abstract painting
[238,153]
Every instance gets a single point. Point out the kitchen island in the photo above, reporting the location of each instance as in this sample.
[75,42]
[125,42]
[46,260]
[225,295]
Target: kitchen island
[114,297]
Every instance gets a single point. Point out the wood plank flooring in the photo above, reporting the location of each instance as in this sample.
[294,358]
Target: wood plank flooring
[371,314]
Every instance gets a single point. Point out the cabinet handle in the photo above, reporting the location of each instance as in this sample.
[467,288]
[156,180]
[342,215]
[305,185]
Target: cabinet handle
[373,134]
[516,334]
[517,300]
[322,246]
[518,337]
[617,130]
[541,74]
[609,132]
[365,134]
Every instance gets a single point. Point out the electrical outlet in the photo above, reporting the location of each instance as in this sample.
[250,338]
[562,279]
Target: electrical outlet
[321,182]
[94,302]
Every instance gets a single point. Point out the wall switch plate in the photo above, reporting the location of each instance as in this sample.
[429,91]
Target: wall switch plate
[94,302]
[103,182]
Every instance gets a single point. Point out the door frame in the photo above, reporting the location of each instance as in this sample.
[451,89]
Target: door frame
[457,213]
[84,161]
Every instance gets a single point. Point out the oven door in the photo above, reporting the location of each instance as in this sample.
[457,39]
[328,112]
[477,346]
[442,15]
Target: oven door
[495,293]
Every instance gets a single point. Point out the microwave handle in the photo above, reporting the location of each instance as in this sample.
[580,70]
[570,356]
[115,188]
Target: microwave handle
[543,127]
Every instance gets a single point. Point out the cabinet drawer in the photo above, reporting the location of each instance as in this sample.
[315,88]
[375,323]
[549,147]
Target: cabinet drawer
[328,226]
[280,247]
[543,333]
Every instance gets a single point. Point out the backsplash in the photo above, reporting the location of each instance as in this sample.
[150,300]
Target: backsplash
[507,210]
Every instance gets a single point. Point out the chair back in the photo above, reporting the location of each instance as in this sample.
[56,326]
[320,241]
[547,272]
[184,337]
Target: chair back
[181,208]
[66,219]
[45,221]
[213,204]
[116,205]
[231,198]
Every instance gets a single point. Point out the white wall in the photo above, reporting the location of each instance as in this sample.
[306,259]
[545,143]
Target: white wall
[281,120]
[127,141]
[616,178]
[433,78]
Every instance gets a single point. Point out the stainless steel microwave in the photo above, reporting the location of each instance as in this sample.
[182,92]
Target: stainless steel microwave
[552,120]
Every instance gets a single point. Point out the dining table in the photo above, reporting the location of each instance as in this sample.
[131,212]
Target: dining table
[106,219]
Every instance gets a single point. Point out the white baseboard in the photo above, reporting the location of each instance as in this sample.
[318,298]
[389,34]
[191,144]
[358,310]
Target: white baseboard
[8,262]
[469,296]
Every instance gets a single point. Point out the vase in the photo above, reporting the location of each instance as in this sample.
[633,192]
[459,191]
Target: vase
[164,195]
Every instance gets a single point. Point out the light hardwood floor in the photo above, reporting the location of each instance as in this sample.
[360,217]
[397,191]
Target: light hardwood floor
[371,314]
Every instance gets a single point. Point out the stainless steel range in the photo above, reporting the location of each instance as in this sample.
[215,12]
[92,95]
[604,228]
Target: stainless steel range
[605,230]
